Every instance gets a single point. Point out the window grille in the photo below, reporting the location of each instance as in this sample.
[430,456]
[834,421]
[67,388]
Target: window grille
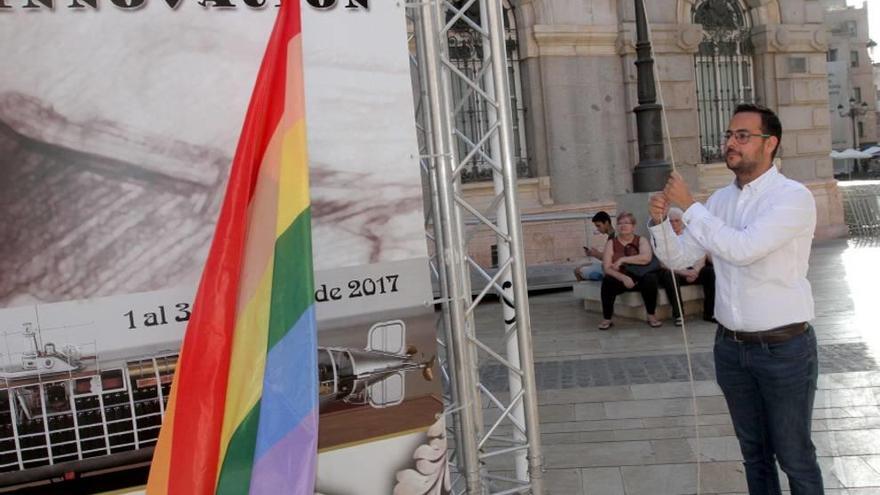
[466,54]
[724,69]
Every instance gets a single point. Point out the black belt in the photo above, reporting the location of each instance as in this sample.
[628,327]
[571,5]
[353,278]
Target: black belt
[772,336]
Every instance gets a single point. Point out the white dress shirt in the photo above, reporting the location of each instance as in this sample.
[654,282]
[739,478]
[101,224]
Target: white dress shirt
[759,238]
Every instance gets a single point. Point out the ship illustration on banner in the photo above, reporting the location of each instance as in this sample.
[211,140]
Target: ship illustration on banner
[66,405]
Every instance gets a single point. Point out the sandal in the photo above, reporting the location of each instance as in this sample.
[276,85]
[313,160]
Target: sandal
[655,323]
[605,325]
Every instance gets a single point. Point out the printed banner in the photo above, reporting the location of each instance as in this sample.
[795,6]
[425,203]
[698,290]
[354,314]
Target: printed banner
[114,154]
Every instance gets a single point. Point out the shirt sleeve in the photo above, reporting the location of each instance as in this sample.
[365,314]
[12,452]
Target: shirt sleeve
[792,213]
[676,252]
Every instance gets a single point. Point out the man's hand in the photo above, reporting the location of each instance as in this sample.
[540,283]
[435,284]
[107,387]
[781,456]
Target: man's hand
[677,191]
[658,206]
[691,275]
[595,253]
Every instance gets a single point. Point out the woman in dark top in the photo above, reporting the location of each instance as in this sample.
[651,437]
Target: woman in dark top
[627,249]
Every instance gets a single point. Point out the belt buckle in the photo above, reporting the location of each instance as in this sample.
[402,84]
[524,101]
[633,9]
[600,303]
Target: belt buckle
[733,333]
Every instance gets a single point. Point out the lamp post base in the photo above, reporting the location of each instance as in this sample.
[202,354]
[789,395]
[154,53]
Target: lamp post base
[651,175]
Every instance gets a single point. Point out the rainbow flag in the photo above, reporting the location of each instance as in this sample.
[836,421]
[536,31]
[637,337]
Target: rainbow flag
[243,412]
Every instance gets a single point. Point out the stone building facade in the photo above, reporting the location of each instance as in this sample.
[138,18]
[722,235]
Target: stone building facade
[579,89]
[851,74]
[876,96]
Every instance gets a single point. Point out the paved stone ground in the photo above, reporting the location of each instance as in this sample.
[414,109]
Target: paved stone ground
[577,373]
[615,407]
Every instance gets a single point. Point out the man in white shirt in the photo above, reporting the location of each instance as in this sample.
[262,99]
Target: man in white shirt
[758,231]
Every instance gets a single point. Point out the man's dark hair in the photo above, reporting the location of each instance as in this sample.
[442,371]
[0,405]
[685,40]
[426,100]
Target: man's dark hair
[770,123]
[602,217]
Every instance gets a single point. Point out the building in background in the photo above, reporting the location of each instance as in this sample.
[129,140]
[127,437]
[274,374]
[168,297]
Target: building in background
[575,90]
[852,101]
[876,95]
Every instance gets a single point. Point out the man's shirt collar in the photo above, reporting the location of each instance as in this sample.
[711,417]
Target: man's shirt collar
[762,182]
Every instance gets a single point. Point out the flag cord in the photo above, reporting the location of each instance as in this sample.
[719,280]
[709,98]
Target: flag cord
[677,302]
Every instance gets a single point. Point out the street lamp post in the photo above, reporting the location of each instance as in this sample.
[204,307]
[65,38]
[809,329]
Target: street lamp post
[652,170]
[853,112]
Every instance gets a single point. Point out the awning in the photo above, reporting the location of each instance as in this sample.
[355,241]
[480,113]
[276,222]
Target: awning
[849,154]
[873,150]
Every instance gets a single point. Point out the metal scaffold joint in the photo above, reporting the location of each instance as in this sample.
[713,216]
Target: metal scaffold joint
[482,453]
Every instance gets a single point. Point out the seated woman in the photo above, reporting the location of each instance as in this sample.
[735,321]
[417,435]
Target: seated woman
[627,249]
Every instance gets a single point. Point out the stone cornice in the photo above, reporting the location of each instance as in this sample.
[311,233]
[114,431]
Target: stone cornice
[574,40]
[606,40]
[790,38]
[665,38]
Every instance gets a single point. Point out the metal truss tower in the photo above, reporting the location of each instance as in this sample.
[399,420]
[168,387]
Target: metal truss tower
[495,443]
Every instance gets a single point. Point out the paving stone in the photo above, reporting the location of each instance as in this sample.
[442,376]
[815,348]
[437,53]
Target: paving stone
[602,481]
[846,412]
[603,394]
[562,482]
[681,479]
[612,424]
[677,432]
[582,373]
[556,413]
[873,461]
[849,380]
[704,419]
[717,449]
[860,442]
[850,472]
[579,437]
[673,450]
[846,397]
[589,411]
[847,423]
[664,407]
[672,390]
[599,454]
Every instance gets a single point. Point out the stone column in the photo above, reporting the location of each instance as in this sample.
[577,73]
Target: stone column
[790,61]
[576,111]
[791,77]
[532,88]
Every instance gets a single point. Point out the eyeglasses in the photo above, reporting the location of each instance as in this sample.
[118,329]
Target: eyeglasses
[742,137]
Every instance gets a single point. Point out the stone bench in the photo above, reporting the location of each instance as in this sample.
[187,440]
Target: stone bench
[630,305]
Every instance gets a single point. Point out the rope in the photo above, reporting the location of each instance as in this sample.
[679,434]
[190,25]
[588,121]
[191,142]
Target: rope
[677,302]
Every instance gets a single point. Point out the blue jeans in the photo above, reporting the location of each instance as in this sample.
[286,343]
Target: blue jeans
[769,390]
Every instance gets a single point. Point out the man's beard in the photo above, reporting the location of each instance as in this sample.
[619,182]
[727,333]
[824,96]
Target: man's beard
[744,166]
